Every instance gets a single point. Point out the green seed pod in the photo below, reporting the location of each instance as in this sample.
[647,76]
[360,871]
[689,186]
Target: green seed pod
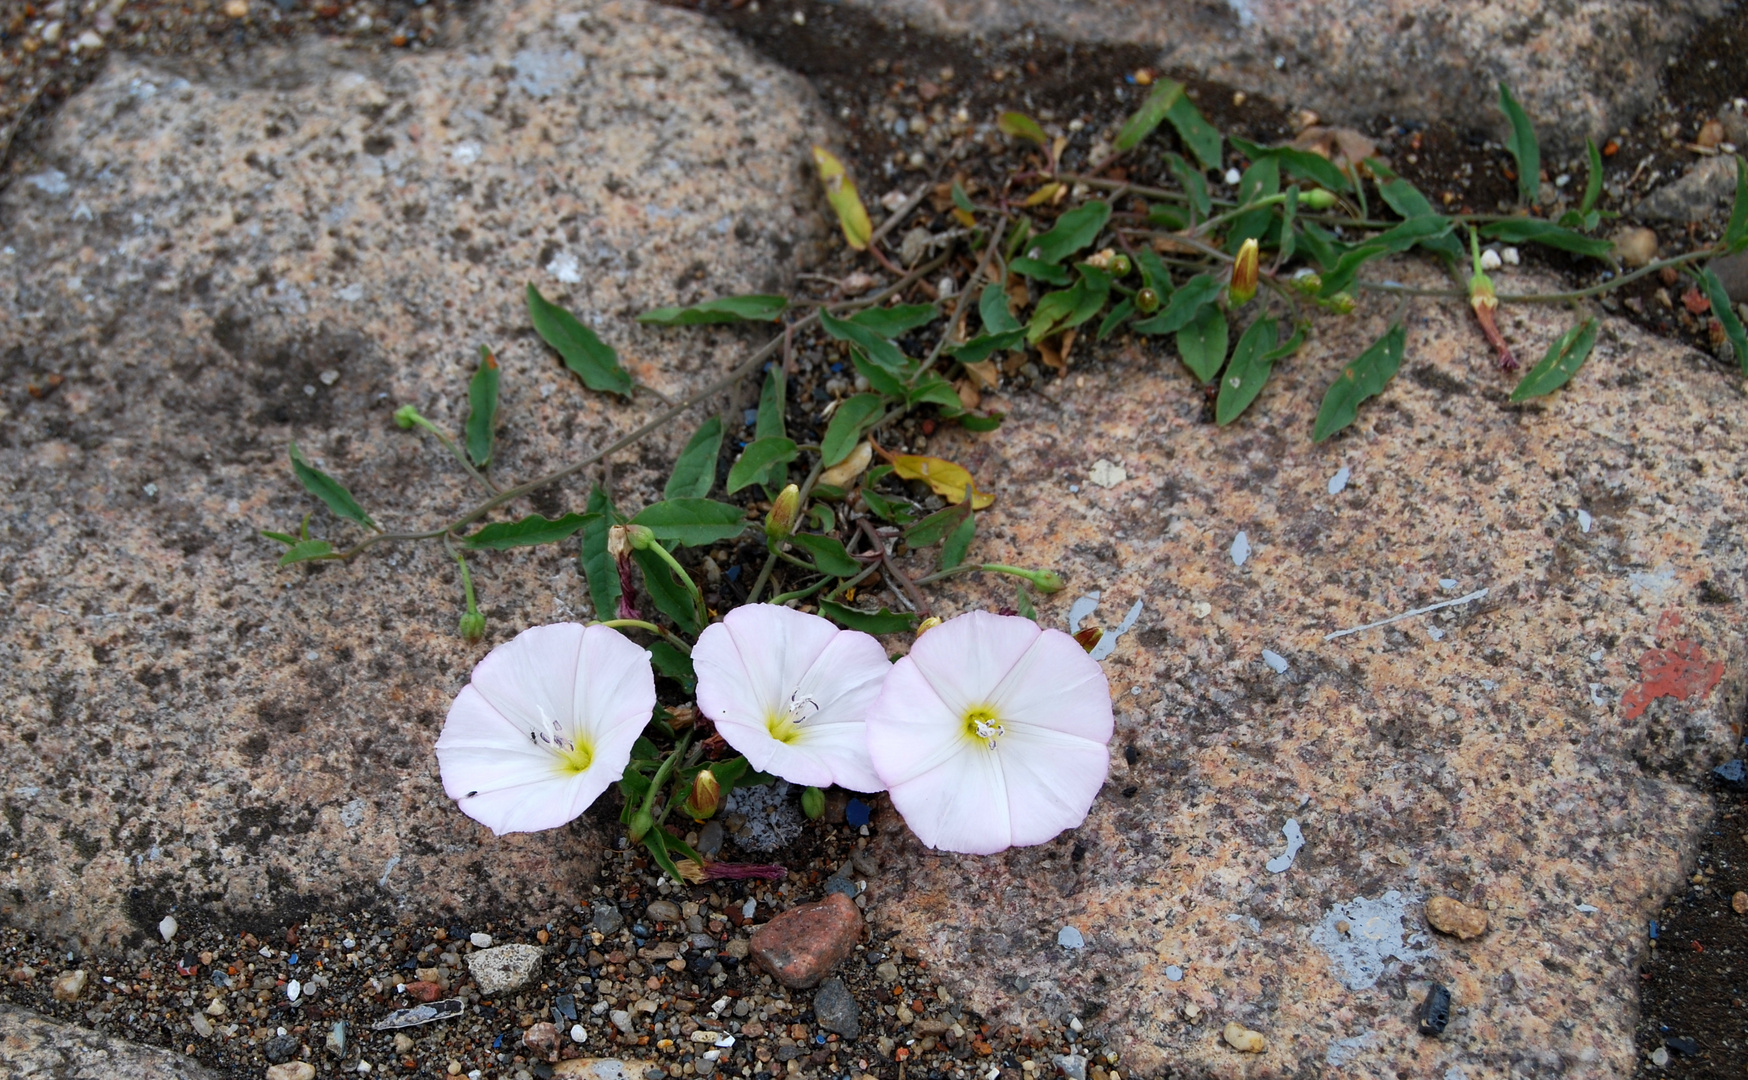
[641,823]
[813,803]
[1147,301]
[1120,266]
[472,627]
[1317,199]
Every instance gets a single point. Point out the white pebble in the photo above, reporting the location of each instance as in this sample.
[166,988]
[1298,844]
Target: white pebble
[947,287]
[747,909]
[1509,255]
[1070,938]
[1075,1025]
[1174,974]
[1232,177]
[293,990]
[579,1033]
[480,941]
[1490,260]
[1240,549]
[167,928]
[1275,660]
[1338,482]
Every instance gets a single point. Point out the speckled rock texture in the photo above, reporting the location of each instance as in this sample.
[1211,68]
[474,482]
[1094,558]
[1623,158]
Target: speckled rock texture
[216,268]
[1534,753]
[32,1045]
[1581,67]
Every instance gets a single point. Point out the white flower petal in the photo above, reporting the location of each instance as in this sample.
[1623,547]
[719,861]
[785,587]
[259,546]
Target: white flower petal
[1049,717]
[763,663]
[975,651]
[509,749]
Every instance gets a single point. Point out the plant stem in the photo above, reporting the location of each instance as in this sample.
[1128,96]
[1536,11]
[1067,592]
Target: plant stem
[1255,204]
[660,779]
[764,576]
[672,639]
[450,445]
[801,594]
[852,582]
[1543,298]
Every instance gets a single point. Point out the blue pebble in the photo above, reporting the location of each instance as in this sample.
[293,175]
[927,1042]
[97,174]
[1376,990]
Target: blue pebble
[836,368]
[734,573]
[819,1039]
[751,416]
[1653,929]
[292,959]
[858,812]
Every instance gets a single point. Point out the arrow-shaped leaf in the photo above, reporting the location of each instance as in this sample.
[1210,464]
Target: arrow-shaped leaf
[1562,361]
[329,490]
[692,522]
[591,359]
[757,459]
[1360,379]
[1249,370]
[531,530]
[695,470]
[482,416]
[723,309]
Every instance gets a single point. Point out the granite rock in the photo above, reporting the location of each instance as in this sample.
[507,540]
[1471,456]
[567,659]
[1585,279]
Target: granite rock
[227,263]
[33,1045]
[1526,752]
[1585,68]
[1703,193]
[503,968]
[800,946]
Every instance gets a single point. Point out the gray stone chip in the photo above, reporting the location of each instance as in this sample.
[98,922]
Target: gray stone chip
[836,1010]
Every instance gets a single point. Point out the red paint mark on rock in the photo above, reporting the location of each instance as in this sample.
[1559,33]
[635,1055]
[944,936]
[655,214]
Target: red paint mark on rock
[1680,670]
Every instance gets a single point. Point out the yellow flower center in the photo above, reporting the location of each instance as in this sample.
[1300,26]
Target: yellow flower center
[783,727]
[981,725]
[574,759]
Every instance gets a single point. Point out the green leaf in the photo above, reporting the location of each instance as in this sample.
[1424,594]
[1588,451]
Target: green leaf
[1154,275]
[973,422]
[1251,363]
[670,597]
[305,550]
[1340,277]
[1022,126]
[1023,604]
[1059,311]
[1301,163]
[1736,233]
[870,341]
[756,461]
[958,543]
[284,538]
[1726,314]
[1534,230]
[1289,209]
[1196,132]
[1073,231]
[1202,343]
[1325,250]
[1185,304]
[1194,183]
[1406,199]
[869,622]
[773,397]
[1593,182]
[1287,347]
[962,200]
[723,309]
[1364,377]
[655,841]
[1153,111]
[599,572]
[1262,179]
[695,471]
[979,348]
[1039,270]
[828,555]
[583,353]
[329,490]
[879,378]
[1118,315]
[878,504]
[529,531]
[482,416]
[852,419]
[992,305]
[692,522]
[1523,147]
[1167,216]
[890,322]
[1562,361]
[676,665]
[936,527]
[934,390]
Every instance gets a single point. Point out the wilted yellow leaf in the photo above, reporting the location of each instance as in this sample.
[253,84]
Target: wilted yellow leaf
[1043,194]
[840,192]
[1022,126]
[949,481]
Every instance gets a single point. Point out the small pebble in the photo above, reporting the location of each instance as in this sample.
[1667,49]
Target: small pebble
[1659,1057]
[579,1034]
[1636,247]
[291,1070]
[1242,1038]
[1739,903]
[1173,973]
[1070,938]
[480,941]
[167,928]
[1456,918]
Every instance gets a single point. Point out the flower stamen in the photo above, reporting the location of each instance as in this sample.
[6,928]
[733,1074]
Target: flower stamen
[980,723]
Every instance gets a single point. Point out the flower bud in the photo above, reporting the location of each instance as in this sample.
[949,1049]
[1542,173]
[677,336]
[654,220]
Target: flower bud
[472,627]
[927,624]
[1308,281]
[1342,303]
[1317,199]
[618,545]
[1120,266]
[706,797]
[1089,638]
[641,823]
[405,416]
[639,537]
[785,512]
[1244,273]
[813,803]
[1147,301]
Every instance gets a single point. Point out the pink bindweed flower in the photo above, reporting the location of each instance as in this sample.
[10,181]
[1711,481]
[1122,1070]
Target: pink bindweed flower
[992,734]
[789,691]
[545,726]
